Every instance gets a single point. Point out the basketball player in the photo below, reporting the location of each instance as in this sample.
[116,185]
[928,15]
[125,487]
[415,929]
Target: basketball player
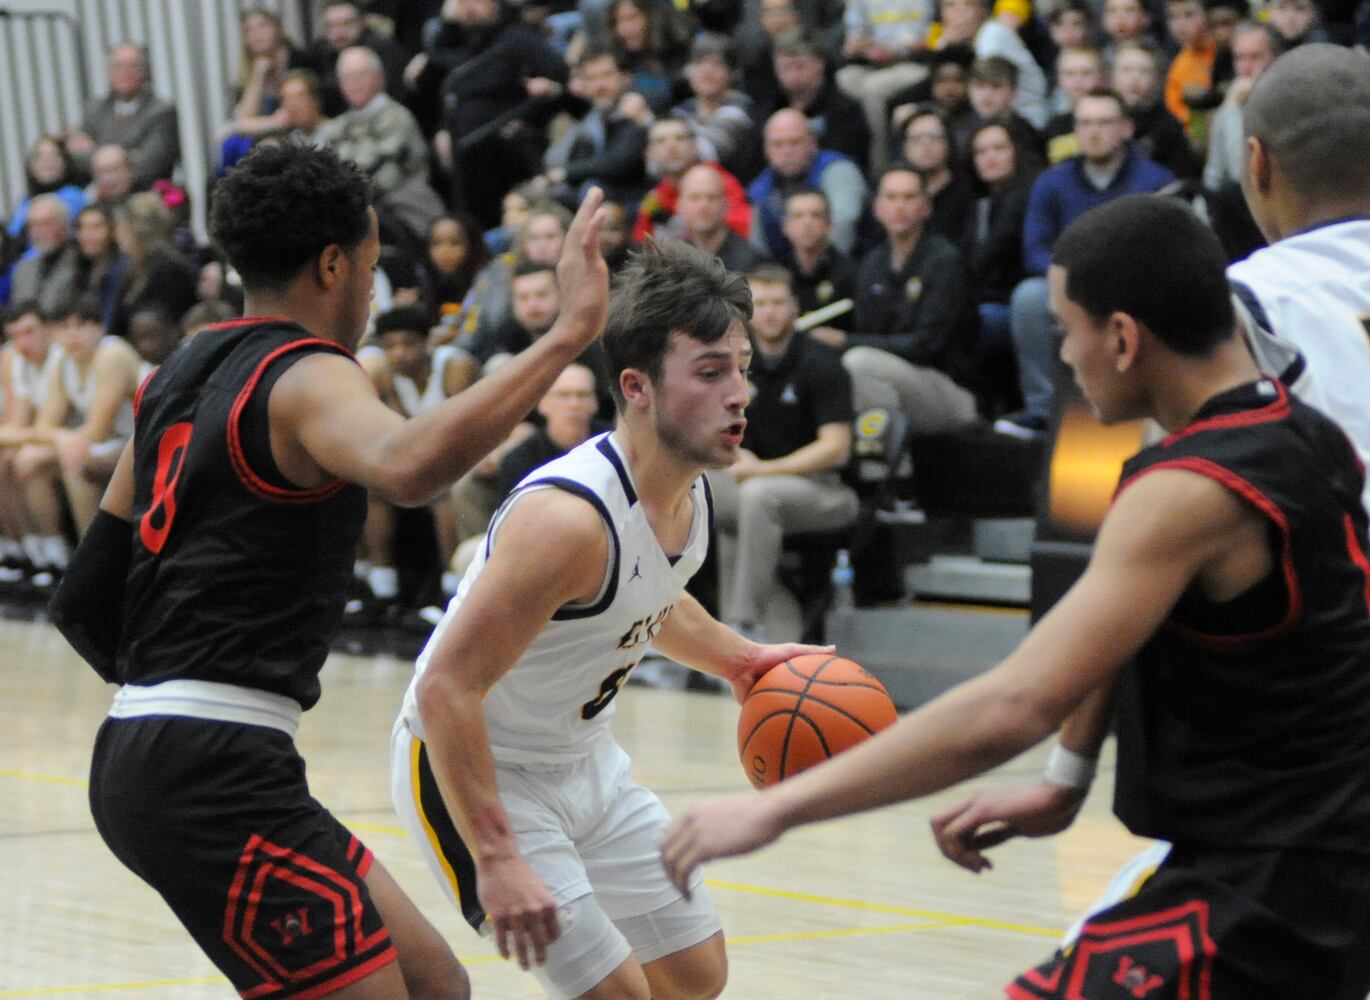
[1307,122]
[505,770]
[229,530]
[1232,572]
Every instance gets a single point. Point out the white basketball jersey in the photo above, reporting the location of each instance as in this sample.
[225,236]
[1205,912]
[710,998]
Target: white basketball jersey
[557,700]
[80,390]
[30,381]
[415,402]
[1314,289]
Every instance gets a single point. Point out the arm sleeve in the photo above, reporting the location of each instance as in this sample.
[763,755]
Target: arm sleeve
[88,607]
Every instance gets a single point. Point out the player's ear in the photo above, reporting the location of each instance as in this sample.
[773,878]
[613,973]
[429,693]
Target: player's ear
[329,265]
[1258,161]
[633,382]
[1126,340]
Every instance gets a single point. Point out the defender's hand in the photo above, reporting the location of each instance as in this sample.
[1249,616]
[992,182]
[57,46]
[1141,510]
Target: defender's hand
[993,815]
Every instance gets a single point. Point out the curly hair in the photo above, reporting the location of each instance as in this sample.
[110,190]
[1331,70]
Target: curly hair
[282,205]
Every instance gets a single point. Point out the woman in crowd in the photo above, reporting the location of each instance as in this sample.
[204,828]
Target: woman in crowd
[992,245]
[157,273]
[100,267]
[267,55]
[456,254]
[47,170]
[925,143]
[540,240]
[651,40]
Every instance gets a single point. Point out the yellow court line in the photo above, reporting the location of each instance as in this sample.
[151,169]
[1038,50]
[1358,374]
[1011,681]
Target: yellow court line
[844,932]
[54,779]
[45,991]
[907,911]
[393,831]
[52,991]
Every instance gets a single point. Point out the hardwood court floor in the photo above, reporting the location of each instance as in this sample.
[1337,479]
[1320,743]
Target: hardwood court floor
[862,908]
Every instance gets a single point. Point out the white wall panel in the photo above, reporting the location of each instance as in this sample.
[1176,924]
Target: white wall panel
[52,60]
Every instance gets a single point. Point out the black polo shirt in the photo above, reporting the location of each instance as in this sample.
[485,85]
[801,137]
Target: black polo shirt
[832,280]
[923,313]
[794,395]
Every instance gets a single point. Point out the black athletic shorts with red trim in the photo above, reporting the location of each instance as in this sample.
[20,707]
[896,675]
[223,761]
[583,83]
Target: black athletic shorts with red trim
[217,817]
[1238,925]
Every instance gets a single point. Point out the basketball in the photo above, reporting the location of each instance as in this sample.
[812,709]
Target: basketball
[805,710]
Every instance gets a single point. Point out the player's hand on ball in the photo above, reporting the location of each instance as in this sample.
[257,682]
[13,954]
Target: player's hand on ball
[521,911]
[583,276]
[761,657]
[994,815]
[719,828]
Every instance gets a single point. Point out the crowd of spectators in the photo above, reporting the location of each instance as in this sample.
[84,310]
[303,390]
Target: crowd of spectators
[904,165]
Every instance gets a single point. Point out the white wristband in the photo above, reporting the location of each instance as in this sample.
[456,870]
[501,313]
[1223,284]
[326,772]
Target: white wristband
[1069,769]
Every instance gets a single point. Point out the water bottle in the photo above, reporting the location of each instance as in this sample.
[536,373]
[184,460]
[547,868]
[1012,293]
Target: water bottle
[841,621]
[843,598]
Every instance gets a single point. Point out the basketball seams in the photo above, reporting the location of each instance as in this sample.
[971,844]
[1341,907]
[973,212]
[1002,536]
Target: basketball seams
[839,717]
[798,703]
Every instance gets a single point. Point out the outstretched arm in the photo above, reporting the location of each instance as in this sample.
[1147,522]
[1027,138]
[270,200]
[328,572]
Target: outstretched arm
[1159,535]
[328,406]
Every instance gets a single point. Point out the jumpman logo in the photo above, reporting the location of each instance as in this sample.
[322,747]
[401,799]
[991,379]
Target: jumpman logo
[637,570]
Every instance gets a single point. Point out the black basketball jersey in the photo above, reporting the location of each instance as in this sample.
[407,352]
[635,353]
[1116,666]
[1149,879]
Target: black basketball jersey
[1246,723]
[237,576]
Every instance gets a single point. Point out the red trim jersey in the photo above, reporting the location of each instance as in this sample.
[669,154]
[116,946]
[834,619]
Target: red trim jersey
[1246,723]
[237,575]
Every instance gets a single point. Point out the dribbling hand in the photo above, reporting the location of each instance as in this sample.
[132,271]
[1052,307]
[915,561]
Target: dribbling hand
[762,657]
[521,911]
[583,276]
[994,815]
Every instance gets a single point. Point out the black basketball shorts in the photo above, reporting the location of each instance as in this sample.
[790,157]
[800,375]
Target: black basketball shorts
[1231,925]
[217,817]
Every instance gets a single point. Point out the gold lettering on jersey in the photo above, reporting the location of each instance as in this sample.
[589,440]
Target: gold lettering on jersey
[644,630]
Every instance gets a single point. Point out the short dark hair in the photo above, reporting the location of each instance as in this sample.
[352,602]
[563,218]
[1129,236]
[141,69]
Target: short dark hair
[18,310]
[811,192]
[1081,7]
[959,54]
[1107,93]
[1311,112]
[87,308]
[527,267]
[599,50]
[281,205]
[668,286]
[708,45]
[311,80]
[409,319]
[1150,257]
[994,69]
[903,168]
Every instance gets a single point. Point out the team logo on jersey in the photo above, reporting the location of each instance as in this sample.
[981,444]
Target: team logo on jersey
[913,289]
[824,291]
[644,630]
